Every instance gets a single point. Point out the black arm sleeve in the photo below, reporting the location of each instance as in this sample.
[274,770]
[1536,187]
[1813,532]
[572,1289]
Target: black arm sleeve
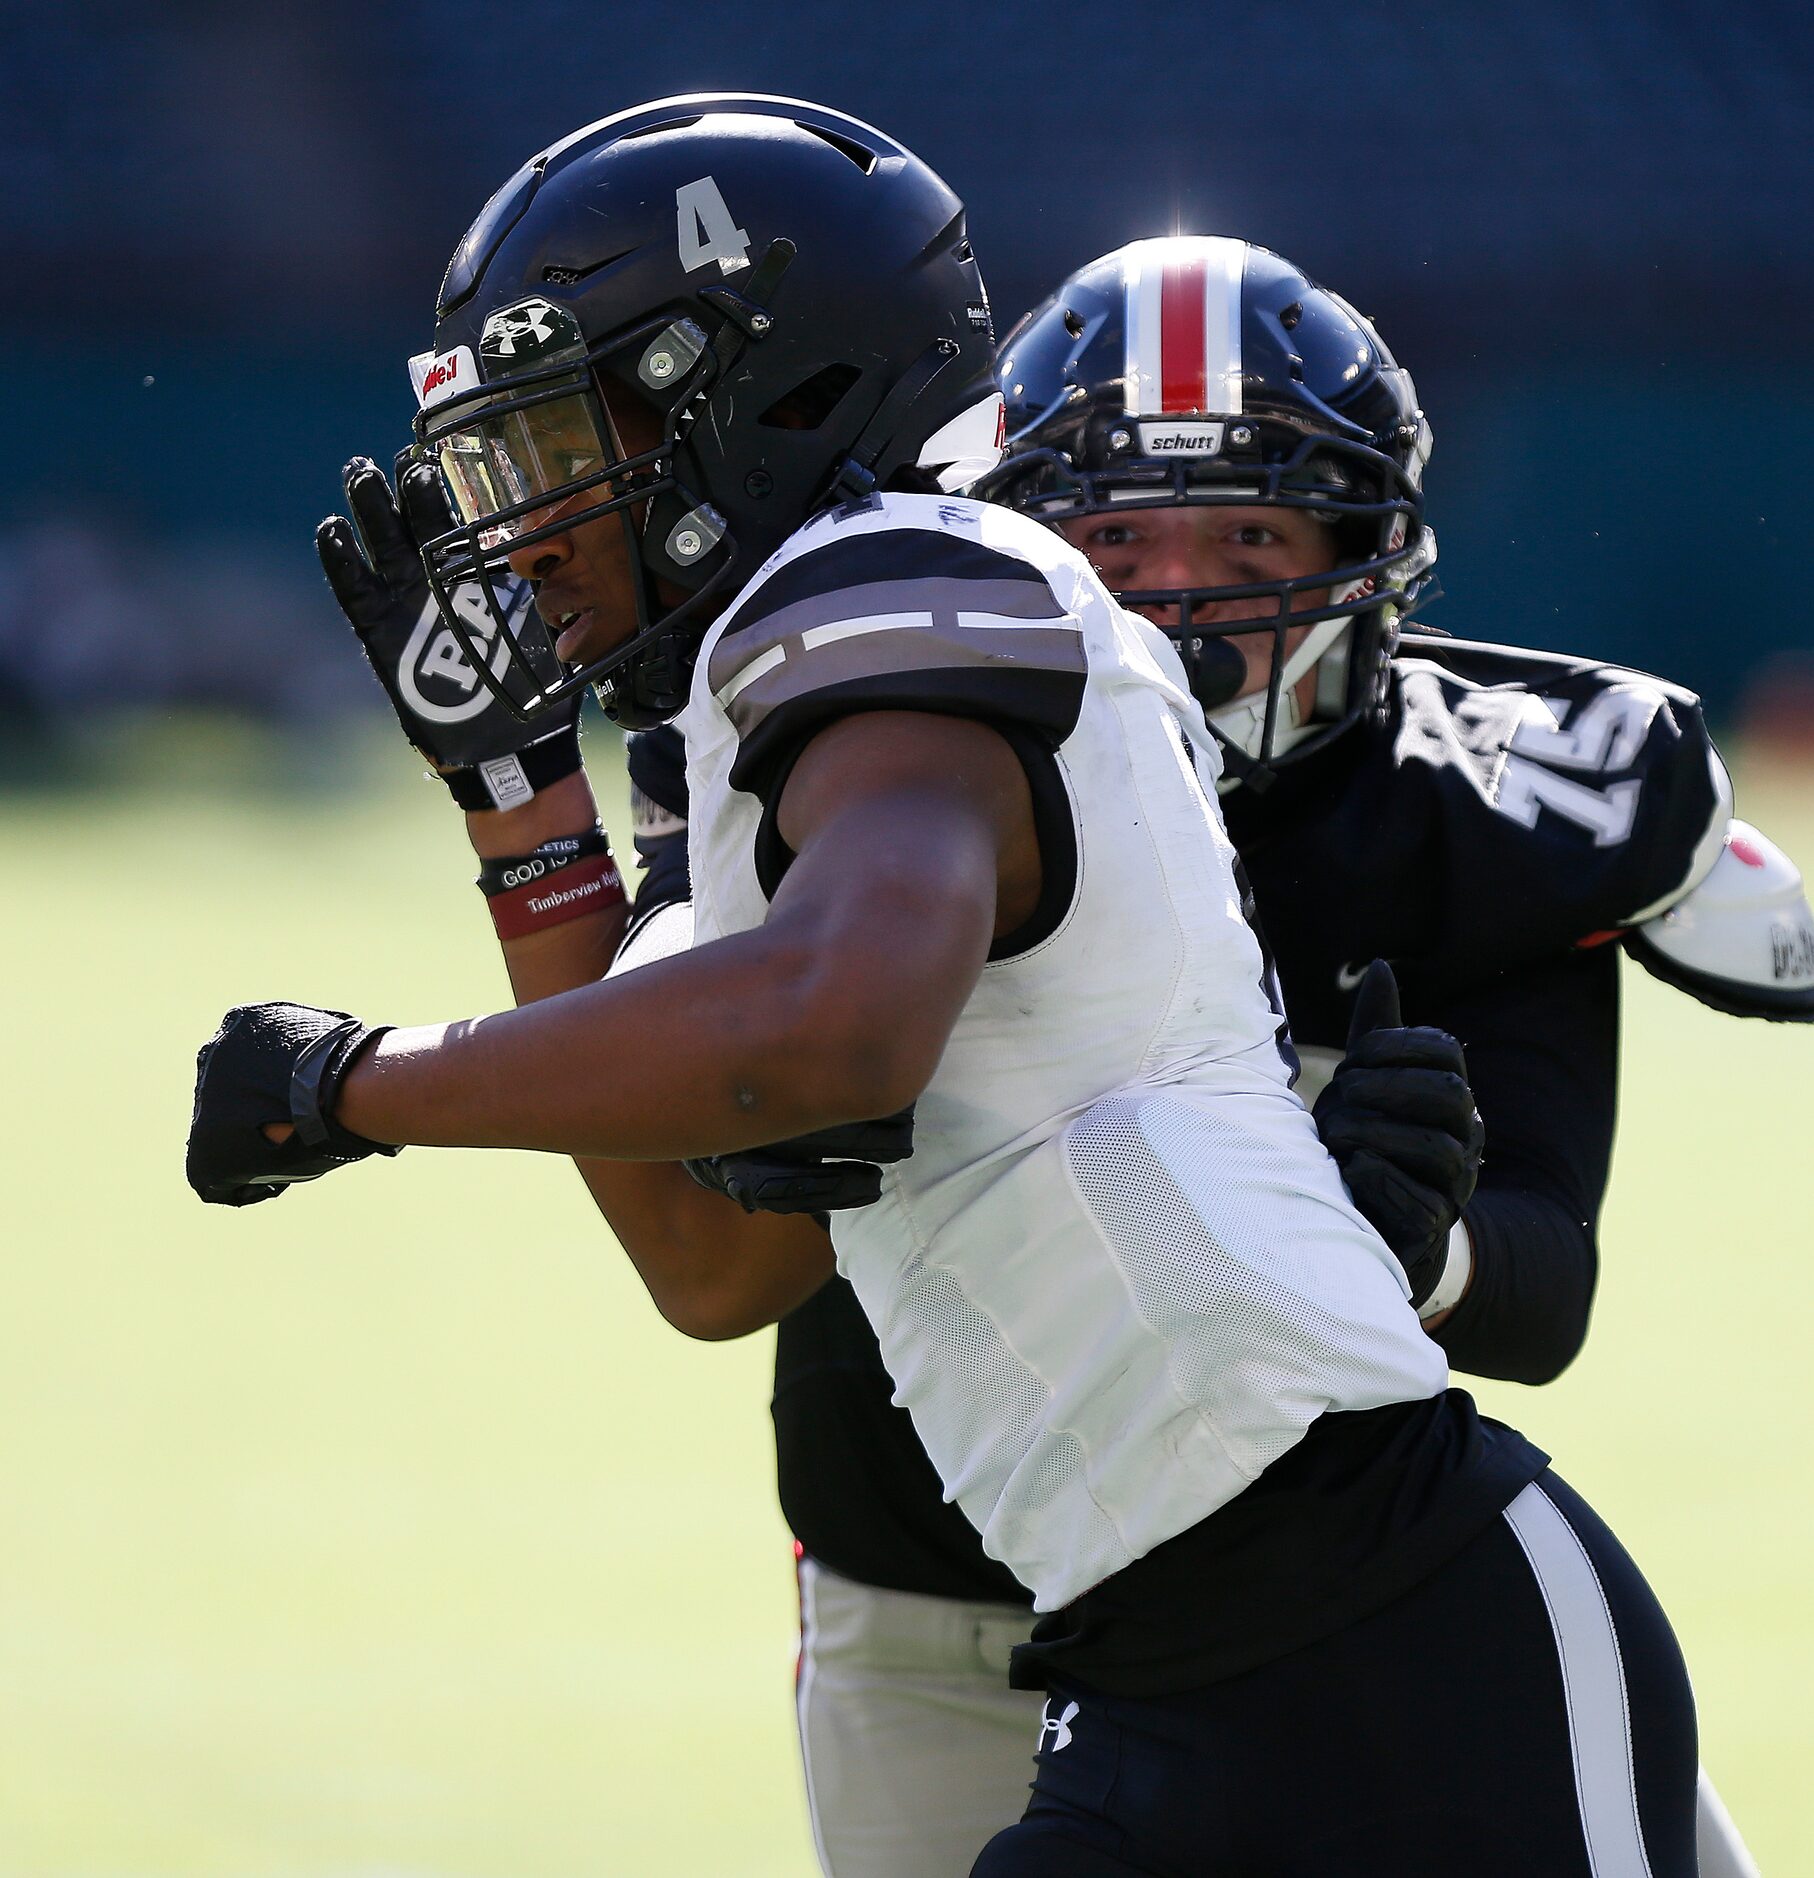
[1543,1049]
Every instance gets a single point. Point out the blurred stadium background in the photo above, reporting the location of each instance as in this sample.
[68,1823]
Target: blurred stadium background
[386,1531]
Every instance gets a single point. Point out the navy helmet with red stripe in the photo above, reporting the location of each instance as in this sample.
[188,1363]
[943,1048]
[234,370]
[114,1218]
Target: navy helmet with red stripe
[1205,370]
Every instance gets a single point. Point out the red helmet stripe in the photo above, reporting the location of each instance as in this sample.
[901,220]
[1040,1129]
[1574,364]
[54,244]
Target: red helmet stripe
[1182,301]
[1183,379]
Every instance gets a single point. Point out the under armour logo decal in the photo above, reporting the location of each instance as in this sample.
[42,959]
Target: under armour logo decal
[528,329]
[1058,1727]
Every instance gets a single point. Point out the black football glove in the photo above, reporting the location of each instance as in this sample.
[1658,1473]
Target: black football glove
[1399,1119]
[488,758]
[273,1063]
[828,1171]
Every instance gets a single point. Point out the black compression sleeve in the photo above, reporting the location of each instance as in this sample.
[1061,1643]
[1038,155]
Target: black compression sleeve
[1525,1315]
[1542,1046]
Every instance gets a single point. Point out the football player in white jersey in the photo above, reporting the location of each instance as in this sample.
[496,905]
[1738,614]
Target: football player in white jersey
[954,841]
[1493,818]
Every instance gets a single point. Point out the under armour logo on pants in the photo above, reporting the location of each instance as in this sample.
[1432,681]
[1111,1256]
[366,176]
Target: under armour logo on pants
[1058,1727]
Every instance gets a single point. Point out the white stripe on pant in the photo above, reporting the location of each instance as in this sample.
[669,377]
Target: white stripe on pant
[916,1751]
[1593,1682]
[1593,1685]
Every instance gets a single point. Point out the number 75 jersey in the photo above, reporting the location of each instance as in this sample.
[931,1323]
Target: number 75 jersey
[1512,806]
[1118,1277]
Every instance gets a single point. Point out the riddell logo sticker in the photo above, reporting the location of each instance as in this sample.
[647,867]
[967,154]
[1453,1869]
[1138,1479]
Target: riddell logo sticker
[1174,439]
[450,375]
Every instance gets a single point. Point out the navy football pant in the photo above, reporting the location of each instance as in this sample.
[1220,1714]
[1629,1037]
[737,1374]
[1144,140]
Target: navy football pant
[1524,1710]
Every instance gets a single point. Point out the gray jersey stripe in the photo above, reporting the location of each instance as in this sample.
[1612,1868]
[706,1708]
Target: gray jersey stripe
[1593,1685]
[999,649]
[941,597]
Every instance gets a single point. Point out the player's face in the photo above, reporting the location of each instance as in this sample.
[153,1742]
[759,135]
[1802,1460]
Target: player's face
[1212,547]
[584,588]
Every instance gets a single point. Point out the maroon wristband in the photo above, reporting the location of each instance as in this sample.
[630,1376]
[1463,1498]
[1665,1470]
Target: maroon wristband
[583,887]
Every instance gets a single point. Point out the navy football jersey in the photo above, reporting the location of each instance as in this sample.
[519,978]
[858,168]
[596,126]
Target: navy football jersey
[1514,806]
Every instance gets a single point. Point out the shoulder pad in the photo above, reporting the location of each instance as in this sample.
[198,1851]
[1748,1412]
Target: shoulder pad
[1484,665]
[1588,794]
[1742,939]
[904,604]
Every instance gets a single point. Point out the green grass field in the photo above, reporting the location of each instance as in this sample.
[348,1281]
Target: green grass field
[388,1531]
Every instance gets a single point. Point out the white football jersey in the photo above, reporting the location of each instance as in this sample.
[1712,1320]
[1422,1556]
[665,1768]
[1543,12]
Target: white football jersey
[1119,1276]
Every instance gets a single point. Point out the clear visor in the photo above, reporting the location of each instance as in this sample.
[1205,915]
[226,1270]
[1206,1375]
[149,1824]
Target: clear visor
[536,455]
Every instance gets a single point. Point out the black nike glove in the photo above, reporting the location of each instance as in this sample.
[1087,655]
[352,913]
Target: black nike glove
[828,1171]
[273,1063]
[487,757]
[1399,1119]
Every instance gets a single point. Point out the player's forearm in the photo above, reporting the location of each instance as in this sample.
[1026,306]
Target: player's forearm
[699,1054]
[712,1270]
[1526,1311]
[562,808]
[836,1009]
[580,950]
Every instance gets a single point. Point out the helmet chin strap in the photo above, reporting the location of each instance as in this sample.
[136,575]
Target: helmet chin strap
[1327,647]
[1243,722]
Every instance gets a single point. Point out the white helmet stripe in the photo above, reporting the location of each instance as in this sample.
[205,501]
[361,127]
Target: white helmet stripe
[1144,274]
[1227,263]
[1182,325]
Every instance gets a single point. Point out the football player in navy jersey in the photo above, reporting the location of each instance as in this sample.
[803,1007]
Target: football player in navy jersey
[700,375]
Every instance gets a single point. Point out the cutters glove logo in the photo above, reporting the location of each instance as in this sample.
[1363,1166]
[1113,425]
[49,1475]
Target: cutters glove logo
[436,677]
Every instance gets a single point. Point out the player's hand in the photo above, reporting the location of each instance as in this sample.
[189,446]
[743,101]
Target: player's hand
[375,570]
[1399,1118]
[267,1065]
[825,1172]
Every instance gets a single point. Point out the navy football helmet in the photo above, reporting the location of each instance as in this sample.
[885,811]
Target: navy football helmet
[1201,369]
[788,291]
